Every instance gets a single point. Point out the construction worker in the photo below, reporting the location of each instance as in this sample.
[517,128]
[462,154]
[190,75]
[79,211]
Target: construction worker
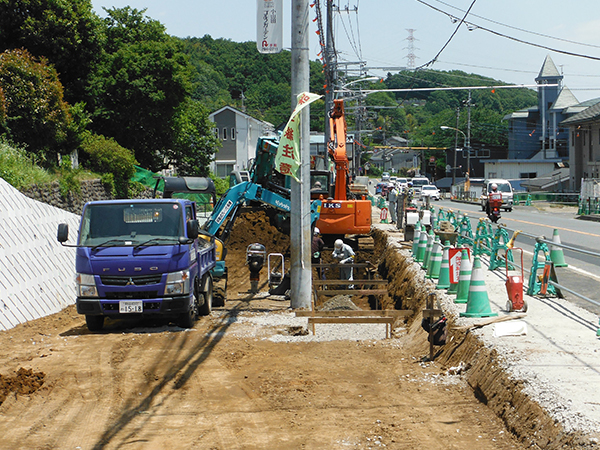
[345,255]
[493,190]
[316,248]
[392,198]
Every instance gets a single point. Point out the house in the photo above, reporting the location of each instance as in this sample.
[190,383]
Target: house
[584,144]
[238,133]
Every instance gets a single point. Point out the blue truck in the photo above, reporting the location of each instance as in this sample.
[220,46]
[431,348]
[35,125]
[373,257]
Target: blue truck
[142,258]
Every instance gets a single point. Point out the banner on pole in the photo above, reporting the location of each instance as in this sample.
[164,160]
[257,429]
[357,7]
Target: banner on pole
[269,26]
[287,160]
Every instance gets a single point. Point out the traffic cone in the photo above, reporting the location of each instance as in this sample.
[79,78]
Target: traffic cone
[416,236]
[464,278]
[556,253]
[422,245]
[444,278]
[478,304]
[428,249]
[435,263]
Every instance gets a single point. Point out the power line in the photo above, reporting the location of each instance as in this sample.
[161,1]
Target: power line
[472,26]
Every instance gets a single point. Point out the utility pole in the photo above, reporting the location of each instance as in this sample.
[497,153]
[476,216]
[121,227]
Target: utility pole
[300,233]
[468,182]
[455,146]
[330,66]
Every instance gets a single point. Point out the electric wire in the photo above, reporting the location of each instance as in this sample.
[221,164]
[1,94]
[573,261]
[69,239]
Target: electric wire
[472,26]
[520,29]
[449,39]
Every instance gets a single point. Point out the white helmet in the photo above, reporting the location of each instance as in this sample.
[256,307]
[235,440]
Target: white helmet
[316,231]
[494,186]
[338,244]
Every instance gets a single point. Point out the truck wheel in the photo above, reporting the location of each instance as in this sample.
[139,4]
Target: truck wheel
[207,293]
[187,319]
[94,323]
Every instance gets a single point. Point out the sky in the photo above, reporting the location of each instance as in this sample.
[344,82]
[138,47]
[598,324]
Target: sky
[376,32]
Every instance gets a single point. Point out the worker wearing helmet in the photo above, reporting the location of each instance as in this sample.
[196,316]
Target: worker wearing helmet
[316,248]
[494,187]
[345,255]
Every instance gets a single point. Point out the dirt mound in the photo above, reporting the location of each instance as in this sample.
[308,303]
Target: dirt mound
[255,227]
[25,382]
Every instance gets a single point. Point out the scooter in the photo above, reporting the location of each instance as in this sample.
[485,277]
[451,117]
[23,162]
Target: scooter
[494,202]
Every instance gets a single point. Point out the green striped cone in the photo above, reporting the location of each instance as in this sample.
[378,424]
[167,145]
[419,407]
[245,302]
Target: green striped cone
[556,253]
[478,304]
[444,278]
[435,263]
[464,278]
[416,236]
[427,257]
[422,245]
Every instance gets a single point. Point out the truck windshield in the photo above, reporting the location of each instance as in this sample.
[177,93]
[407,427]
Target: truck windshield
[131,224]
[420,182]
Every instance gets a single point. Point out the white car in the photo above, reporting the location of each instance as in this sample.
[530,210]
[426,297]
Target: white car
[431,191]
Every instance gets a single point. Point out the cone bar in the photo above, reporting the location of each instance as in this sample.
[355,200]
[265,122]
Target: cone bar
[556,253]
[435,263]
[478,304]
[464,279]
[444,278]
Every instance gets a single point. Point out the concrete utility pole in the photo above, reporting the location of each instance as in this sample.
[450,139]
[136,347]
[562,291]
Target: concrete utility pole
[300,233]
[330,66]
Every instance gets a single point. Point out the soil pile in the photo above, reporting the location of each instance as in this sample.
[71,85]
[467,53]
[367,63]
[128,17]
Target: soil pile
[25,382]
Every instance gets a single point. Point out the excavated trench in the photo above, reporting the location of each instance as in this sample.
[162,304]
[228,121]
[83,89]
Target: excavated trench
[409,290]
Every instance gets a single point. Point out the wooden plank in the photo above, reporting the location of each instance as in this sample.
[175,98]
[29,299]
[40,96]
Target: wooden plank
[389,320]
[331,292]
[356,313]
[427,313]
[338,282]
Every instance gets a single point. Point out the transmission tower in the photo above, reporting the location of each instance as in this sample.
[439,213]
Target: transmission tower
[411,49]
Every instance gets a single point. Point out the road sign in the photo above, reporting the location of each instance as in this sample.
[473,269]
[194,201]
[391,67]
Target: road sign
[454,258]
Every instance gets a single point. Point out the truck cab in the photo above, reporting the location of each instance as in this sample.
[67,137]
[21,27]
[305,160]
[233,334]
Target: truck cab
[141,258]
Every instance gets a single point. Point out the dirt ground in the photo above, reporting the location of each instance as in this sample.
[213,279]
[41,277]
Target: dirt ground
[148,385]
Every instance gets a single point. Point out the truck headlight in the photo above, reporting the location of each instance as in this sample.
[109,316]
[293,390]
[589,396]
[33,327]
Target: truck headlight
[178,283]
[85,285]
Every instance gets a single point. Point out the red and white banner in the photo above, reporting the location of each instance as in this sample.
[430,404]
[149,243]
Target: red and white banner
[269,26]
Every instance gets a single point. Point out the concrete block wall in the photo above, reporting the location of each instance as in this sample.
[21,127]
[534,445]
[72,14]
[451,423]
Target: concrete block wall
[37,274]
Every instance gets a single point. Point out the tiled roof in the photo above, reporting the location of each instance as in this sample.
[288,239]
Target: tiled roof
[548,69]
[564,99]
[587,115]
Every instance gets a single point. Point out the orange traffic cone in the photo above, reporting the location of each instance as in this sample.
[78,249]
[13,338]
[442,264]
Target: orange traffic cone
[478,304]
[464,278]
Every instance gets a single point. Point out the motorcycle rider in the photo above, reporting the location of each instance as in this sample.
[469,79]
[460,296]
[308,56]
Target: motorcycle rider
[494,200]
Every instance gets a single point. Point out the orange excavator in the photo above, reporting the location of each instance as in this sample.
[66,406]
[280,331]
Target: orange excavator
[343,213]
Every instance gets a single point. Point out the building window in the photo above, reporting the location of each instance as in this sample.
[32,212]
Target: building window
[233,134]
[224,134]
[223,170]
[528,175]
[216,131]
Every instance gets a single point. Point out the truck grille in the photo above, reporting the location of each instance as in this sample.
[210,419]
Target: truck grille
[131,295]
[142,280]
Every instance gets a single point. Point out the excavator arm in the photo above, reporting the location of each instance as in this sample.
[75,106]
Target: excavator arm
[337,149]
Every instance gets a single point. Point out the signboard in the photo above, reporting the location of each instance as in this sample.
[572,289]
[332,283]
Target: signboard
[454,258]
[269,26]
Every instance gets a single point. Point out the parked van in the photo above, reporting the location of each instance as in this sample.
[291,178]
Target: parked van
[504,187]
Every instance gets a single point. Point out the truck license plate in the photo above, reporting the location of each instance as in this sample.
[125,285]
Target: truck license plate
[130,307]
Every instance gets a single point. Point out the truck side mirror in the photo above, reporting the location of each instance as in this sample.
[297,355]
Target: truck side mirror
[63,233]
[192,228]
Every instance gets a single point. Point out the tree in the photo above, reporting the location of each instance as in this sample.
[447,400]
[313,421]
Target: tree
[195,143]
[65,32]
[36,113]
[142,79]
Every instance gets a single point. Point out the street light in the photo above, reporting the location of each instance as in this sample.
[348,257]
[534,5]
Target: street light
[443,127]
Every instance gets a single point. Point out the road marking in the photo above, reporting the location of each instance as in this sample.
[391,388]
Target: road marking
[555,228]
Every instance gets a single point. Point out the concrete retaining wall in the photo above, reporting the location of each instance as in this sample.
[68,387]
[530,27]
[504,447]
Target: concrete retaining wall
[36,272]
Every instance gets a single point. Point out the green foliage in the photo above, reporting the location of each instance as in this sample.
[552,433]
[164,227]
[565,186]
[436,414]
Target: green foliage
[106,156]
[36,113]
[65,32]
[19,169]
[68,181]
[221,184]
[108,181]
[135,189]
[142,79]
[194,143]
